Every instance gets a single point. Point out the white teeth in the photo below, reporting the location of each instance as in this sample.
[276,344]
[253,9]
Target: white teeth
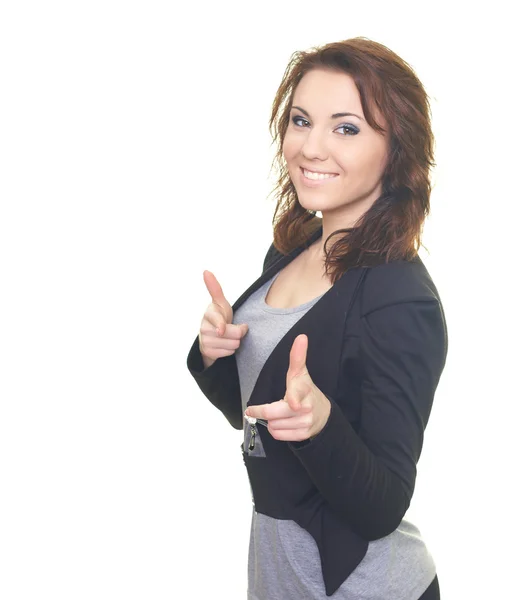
[310,175]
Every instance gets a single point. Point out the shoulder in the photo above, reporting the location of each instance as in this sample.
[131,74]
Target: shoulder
[397,282]
[401,313]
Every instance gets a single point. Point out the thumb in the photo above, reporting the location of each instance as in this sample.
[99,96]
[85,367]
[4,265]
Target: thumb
[297,389]
[298,357]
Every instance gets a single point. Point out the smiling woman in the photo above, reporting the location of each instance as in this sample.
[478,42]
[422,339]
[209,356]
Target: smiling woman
[338,155]
[330,360]
[356,109]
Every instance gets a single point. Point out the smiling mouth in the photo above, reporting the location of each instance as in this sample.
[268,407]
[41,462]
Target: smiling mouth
[312,176]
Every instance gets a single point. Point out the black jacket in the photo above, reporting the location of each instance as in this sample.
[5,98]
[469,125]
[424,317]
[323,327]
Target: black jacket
[377,345]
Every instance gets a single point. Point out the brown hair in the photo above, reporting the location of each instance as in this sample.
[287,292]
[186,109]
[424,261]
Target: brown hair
[391,228]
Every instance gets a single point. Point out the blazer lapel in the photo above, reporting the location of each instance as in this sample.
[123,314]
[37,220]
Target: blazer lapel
[323,324]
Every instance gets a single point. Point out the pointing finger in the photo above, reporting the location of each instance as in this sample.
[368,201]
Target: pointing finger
[214,289]
[273,410]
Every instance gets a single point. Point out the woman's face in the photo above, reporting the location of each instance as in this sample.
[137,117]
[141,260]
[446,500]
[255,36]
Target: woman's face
[342,145]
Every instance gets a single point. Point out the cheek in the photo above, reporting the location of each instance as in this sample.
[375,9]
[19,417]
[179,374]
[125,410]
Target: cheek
[289,147]
[376,157]
[365,163]
[285,150]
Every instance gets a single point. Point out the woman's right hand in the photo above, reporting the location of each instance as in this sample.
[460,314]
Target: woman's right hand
[218,336]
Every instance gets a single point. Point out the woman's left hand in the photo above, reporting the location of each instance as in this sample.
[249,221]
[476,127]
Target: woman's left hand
[304,410]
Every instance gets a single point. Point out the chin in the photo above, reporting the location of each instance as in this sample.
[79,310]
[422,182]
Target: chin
[315,200]
[315,204]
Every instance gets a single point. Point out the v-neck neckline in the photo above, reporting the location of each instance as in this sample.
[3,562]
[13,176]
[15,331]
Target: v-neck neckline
[276,267]
[285,310]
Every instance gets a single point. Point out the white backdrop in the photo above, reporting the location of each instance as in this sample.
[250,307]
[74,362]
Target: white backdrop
[135,154]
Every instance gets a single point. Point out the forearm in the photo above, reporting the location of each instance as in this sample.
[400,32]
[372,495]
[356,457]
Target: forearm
[361,489]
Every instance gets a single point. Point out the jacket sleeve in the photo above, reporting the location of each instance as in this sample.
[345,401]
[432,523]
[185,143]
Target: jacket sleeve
[368,477]
[220,382]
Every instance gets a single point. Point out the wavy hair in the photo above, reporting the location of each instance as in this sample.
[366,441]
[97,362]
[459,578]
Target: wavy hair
[391,228]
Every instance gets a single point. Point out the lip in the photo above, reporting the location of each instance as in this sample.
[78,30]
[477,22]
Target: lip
[316,171]
[318,182]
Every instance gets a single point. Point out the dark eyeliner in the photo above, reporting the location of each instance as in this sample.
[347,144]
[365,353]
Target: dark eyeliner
[349,126]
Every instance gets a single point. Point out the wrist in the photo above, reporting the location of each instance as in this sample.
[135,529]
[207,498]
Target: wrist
[325,412]
[207,362]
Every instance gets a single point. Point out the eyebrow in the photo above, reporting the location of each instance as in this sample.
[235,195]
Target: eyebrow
[334,116]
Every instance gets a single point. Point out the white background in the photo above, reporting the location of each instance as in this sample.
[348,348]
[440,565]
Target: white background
[135,153]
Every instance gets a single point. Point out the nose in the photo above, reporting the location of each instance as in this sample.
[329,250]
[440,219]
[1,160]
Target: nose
[314,146]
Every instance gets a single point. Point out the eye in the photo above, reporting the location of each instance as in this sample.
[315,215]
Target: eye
[296,119]
[351,129]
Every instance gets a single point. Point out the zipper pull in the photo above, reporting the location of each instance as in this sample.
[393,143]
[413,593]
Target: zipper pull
[253,436]
[253,420]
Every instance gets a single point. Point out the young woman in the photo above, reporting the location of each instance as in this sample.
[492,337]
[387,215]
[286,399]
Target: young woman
[330,360]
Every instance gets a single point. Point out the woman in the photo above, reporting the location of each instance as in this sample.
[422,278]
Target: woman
[334,353]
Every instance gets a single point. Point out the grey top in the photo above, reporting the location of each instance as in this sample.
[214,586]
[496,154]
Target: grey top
[284,561]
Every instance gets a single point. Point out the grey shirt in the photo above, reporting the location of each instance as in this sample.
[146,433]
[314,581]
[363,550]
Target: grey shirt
[284,562]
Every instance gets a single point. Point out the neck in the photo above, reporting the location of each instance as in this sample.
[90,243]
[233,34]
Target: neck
[315,250]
